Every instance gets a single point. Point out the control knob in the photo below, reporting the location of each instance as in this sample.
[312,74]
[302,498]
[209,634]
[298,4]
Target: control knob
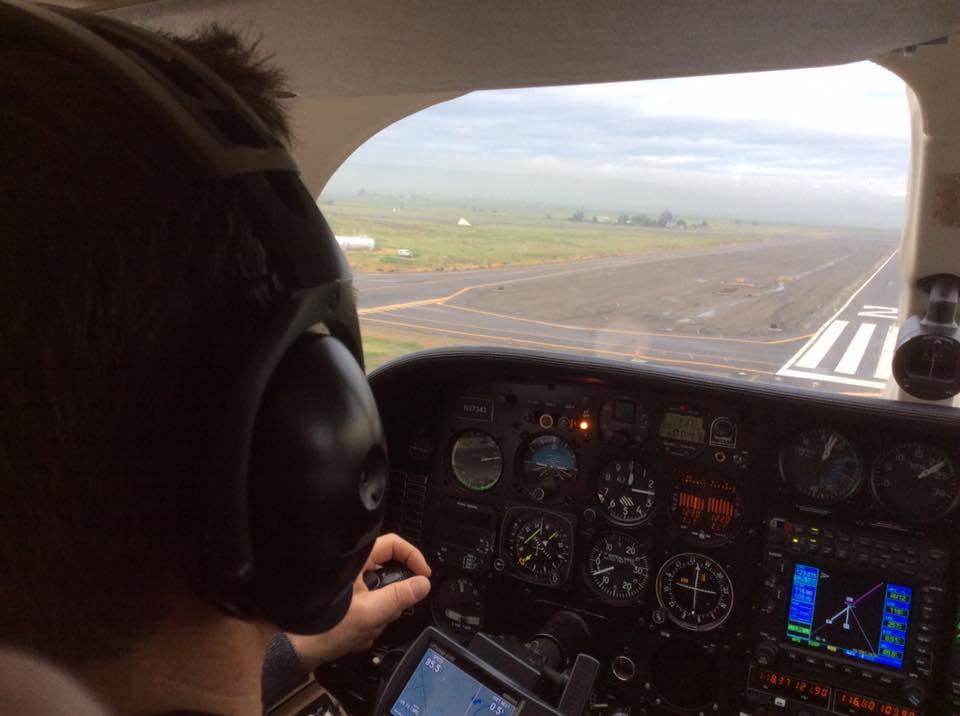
[766,653]
[914,693]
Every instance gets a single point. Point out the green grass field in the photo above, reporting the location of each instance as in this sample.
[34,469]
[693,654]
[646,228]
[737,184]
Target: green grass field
[506,235]
[379,348]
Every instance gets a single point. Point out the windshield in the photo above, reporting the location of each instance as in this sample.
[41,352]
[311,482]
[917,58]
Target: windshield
[739,225]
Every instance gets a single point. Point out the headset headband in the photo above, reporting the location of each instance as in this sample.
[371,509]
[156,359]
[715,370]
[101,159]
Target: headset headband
[209,123]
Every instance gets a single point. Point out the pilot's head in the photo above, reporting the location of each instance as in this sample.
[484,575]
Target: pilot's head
[172,428]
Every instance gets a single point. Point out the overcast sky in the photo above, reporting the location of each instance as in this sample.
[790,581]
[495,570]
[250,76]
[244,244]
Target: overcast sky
[826,146]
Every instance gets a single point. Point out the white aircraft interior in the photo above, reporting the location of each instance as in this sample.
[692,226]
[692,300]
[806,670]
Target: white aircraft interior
[716,546]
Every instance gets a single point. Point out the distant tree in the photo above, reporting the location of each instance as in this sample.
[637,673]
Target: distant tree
[594,219]
[704,224]
[641,220]
[755,223]
[548,216]
[623,219]
[577,215]
[665,218]
[681,224]
[362,192]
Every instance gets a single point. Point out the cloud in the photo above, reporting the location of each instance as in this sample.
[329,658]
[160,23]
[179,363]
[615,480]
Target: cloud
[840,134]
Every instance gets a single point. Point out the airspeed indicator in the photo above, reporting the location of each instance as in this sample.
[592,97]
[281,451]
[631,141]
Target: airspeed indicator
[476,460]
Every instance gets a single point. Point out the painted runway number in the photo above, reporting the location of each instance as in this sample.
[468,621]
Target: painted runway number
[883,312]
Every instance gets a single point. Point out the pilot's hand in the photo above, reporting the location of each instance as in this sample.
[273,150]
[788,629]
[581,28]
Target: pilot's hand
[370,612]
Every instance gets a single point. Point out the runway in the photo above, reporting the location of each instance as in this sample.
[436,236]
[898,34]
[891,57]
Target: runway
[816,311]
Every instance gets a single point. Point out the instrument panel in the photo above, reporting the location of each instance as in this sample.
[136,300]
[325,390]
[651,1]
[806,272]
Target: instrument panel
[644,503]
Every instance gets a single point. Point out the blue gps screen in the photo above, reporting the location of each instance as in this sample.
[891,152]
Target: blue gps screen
[438,687]
[840,613]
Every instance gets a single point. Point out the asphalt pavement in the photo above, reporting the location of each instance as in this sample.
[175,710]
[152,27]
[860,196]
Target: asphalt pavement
[816,311]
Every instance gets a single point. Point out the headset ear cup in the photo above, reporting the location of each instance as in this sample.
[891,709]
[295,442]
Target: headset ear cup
[317,479]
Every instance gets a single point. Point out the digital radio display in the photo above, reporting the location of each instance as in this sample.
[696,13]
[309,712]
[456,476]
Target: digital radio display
[789,687]
[850,615]
[683,427]
[854,704]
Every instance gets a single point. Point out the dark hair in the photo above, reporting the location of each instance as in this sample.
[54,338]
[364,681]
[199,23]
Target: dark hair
[127,282]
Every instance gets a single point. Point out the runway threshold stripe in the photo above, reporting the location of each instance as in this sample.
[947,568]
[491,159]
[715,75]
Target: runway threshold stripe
[816,336]
[811,359]
[850,362]
[828,378]
[884,366]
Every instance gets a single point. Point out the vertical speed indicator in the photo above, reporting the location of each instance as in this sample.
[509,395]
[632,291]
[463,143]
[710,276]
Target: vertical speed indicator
[617,568]
[915,482]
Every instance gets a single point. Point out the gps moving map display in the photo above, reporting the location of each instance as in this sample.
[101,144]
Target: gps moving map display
[438,687]
[859,617]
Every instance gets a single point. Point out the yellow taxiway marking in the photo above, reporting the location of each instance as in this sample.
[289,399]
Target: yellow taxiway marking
[399,306]
[387,286]
[560,346]
[443,301]
[421,302]
[460,292]
[624,332]
[508,334]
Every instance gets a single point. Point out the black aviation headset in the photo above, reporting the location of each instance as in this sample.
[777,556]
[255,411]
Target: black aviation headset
[296,471]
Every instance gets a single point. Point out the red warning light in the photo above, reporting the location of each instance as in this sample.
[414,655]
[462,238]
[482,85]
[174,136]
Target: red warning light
[584,424]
